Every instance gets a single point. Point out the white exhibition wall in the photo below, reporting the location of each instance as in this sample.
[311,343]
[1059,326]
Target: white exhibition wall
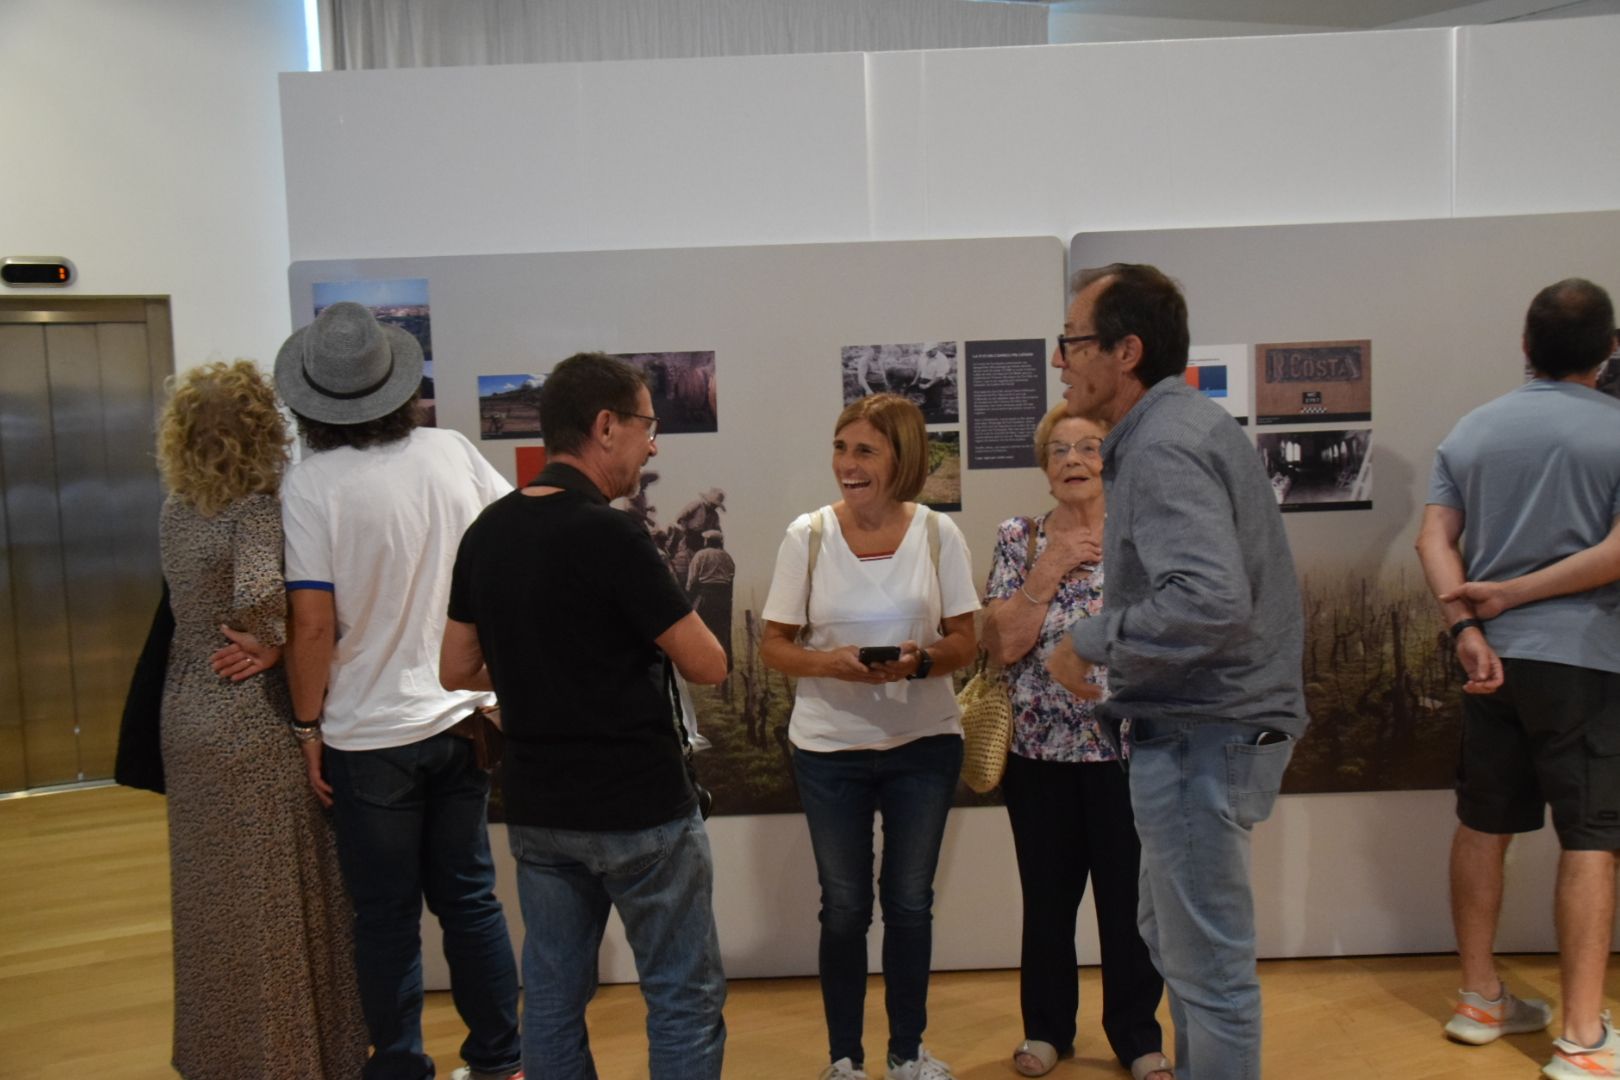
[1044,140]
[776,319]
[1442,303]
[1049,140]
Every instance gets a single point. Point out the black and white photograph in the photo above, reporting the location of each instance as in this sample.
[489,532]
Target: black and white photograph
[922,372]
[1608,379]
[1319,470]
[509,406]
[682,385]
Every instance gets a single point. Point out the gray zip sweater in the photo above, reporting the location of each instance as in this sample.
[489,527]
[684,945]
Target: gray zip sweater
[1201,614]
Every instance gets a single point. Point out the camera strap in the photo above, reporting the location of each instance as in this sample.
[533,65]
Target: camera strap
[673,692]
[705,800]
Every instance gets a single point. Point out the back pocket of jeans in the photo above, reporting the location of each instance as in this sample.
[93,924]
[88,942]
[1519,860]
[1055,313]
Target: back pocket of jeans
[1254,776]
[382,777]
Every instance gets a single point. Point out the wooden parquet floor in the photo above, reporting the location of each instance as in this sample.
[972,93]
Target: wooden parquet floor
[85,984]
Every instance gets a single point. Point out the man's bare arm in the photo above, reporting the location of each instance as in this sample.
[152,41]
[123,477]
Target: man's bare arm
[311,640]
[461,658]
[1583,571]
[696,652]
[1443,567]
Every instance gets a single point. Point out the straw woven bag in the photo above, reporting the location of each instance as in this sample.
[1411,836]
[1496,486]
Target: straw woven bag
[986,726]
[987,712]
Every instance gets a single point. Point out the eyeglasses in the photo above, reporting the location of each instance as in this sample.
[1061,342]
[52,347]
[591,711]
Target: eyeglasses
[1066,340]
[652,423]
[1085,448]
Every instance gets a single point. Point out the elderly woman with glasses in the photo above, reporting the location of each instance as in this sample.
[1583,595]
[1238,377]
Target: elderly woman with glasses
[1066,794]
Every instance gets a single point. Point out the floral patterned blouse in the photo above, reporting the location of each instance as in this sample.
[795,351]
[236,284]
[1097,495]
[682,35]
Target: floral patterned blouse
[1049,723]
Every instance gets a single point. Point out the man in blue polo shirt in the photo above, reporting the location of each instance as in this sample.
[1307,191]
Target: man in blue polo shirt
[1530,485]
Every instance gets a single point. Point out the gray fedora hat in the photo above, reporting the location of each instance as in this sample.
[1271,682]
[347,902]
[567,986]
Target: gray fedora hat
[347,368]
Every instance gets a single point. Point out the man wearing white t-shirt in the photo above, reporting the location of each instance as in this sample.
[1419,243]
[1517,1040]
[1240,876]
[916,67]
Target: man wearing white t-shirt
[372,518]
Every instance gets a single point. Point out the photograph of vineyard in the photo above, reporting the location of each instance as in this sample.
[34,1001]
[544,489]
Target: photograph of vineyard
[749,766]
[1381,683]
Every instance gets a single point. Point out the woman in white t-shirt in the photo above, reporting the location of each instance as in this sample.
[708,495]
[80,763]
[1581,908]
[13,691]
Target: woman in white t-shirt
[875,570]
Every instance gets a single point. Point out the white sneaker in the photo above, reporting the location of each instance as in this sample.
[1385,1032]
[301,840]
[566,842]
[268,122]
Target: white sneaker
[843,1069]
[1479,1020]
[467,1072]
[1572,1062]
[926,1067]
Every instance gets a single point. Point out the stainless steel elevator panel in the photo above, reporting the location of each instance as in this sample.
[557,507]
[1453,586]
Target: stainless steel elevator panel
[39,601]
[13,771]
[33,547]
[130,401]
[79,392]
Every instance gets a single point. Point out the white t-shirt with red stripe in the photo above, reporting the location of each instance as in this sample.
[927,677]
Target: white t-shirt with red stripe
[883,601]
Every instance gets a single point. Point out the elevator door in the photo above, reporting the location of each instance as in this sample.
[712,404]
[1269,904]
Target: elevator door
[81,381]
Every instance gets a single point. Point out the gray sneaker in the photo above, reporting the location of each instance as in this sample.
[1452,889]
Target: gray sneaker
[1478,1020]
[1573,1062]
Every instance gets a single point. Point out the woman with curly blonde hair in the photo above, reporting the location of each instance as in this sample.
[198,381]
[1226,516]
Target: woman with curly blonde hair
[222,437]
[263,962]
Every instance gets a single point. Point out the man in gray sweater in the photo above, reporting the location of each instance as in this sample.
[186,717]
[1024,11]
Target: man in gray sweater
[1201,631]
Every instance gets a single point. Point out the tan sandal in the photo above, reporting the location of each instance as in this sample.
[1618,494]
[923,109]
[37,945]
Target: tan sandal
[1044,1054]
[1148,1064]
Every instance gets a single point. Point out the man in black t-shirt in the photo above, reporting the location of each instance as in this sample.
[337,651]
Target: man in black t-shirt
[566,608]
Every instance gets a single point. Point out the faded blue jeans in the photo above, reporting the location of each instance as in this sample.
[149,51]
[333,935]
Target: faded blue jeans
[410,824]
[912,786]
[661,881]
[1198,789]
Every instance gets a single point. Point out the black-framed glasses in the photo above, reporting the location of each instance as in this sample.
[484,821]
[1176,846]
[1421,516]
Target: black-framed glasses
[1066,340]
[652,423]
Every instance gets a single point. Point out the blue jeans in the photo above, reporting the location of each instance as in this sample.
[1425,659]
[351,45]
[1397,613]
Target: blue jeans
[912,785]
[410,824]
[661,880]
[1197,790]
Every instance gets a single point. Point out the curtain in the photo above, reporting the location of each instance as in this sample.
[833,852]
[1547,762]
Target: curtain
[436,33]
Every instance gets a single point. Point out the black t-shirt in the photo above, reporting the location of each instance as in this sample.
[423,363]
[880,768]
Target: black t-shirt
[568,595]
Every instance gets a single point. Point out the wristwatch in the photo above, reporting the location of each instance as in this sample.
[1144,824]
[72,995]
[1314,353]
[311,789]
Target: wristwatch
[1463,624]
[925,664]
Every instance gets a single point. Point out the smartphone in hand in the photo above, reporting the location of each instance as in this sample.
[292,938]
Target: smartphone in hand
[878,654]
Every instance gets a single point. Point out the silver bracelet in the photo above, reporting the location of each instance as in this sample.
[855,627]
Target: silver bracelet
[305,732]
[1031,599]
